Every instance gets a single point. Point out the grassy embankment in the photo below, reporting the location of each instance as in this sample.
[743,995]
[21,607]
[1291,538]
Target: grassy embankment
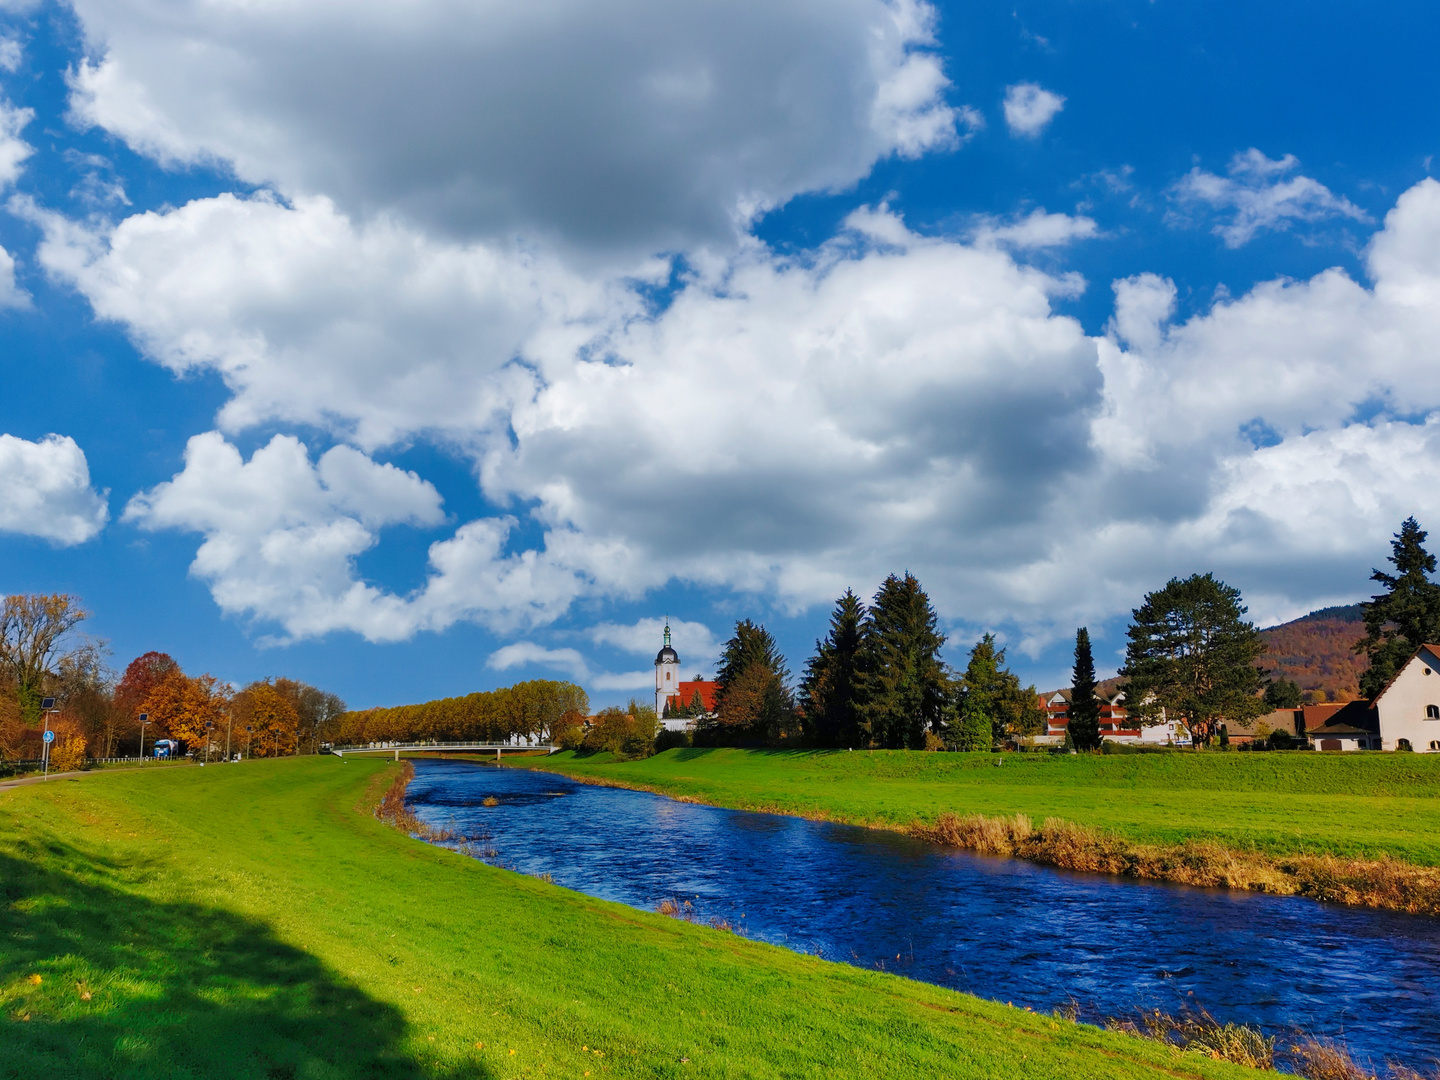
[1358,828]
[257,921]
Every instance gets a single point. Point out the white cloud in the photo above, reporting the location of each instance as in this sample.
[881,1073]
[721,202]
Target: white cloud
[1263,196]
[634,126]
[312,319]
[525,653]
[1029,108]
[11,295]
[11,53]
[13,149]
[45,490]
[694,642]
[1036,230]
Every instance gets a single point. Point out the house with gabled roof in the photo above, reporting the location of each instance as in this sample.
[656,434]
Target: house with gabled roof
[1406,712]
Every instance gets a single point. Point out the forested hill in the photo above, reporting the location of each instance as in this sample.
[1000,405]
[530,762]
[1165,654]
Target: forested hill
[1318,651]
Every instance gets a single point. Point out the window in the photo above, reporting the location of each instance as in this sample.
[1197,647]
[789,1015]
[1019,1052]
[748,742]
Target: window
[1432,712]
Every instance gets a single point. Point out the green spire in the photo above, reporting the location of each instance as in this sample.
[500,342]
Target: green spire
[667,631]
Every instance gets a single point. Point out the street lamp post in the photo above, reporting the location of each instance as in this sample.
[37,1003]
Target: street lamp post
[249,734]
[229,722]
[209,727]
[144,719]
[47,706]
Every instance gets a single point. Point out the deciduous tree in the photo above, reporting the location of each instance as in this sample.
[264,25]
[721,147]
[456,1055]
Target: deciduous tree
[1406,615]
[752,699]
[1191,657]
[180,707]
[270,713]
[32,633]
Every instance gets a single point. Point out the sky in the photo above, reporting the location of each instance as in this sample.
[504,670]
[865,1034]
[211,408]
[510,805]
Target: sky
[415,349]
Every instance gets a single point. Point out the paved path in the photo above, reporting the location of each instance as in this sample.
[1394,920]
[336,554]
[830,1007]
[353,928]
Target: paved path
[66,776]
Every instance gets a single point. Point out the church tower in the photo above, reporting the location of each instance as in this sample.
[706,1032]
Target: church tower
[667,673]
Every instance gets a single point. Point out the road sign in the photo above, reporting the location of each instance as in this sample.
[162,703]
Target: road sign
[49,736]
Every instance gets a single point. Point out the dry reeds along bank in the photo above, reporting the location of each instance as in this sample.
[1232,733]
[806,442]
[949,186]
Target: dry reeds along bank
[1385,883]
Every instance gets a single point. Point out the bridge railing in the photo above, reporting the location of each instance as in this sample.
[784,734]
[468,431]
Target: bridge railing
[442,745]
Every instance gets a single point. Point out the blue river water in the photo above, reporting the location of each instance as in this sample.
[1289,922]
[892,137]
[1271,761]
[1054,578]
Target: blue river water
[1000,928]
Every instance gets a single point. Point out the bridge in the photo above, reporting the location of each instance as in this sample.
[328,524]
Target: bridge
[420,747]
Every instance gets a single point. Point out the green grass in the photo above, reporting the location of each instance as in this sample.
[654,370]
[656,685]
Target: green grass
[1354,805]
[255,921]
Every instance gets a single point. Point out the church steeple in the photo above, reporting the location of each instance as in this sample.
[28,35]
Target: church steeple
[667,672]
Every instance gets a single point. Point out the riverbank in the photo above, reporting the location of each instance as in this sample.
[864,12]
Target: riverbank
[1354,828]
[257,920]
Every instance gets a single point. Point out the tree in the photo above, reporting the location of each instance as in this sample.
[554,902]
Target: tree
[991,704]
[316,713]
[1191,656]
[905,689]
[32,627]
[830,691]
[1282,694]
[270,711]
[180,707]
[626,733]
[1406,615]
[1084,722]
[753,702]
[142,676]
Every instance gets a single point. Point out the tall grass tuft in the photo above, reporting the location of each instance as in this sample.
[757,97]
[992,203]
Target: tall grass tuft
[1386,882]
[1321,1059]
[1197,1032]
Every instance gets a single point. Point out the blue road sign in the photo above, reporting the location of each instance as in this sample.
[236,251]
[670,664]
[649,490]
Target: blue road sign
[49,736]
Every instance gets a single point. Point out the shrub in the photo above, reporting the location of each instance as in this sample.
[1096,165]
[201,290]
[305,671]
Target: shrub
[673,740]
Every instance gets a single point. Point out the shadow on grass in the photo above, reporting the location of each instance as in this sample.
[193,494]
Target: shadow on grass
[174,989]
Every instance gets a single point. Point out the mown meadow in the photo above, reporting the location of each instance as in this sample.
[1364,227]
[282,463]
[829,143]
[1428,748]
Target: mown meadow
[256,920]
[1366,806]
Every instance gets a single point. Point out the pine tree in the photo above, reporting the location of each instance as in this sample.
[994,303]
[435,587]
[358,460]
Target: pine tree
[1192,655]
[1084,722]
[830,689]
[1406,615]
[991,705]
[904,684]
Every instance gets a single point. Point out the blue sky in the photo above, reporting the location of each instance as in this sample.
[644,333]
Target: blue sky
[494,337]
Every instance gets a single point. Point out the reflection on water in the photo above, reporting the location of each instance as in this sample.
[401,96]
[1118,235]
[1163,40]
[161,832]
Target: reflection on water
[1003,929]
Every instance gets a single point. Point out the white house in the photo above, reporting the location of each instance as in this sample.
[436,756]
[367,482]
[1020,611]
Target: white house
[1407,710]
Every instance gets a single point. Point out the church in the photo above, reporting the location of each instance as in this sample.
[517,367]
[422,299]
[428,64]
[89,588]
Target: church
[679,703]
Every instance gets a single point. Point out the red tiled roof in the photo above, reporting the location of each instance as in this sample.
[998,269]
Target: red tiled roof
[686,693]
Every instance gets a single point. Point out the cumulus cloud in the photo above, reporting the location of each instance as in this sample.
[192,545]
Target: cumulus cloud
[1029,108]
[1263,195]
[312,318]
[45,490]
[634,127]
[1036,230]
[10,53]
[13,149]
[696,645]
[526,653]
[11,295]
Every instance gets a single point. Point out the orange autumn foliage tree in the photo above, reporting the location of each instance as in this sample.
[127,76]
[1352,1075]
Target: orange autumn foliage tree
[180,706]
[271,715]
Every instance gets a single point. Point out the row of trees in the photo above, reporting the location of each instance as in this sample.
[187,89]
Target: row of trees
[536,708]
[97,714]
[876,679]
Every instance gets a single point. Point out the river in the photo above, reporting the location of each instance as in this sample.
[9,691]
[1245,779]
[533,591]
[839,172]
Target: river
[1003,929]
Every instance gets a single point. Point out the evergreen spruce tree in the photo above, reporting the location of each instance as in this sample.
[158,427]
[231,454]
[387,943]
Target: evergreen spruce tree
[1084,723]
[974,726]
[1406,615]
[830,689]
[904,685]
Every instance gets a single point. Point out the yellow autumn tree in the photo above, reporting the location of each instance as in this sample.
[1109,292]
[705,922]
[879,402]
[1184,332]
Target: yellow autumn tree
[272,718]
[181,706]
